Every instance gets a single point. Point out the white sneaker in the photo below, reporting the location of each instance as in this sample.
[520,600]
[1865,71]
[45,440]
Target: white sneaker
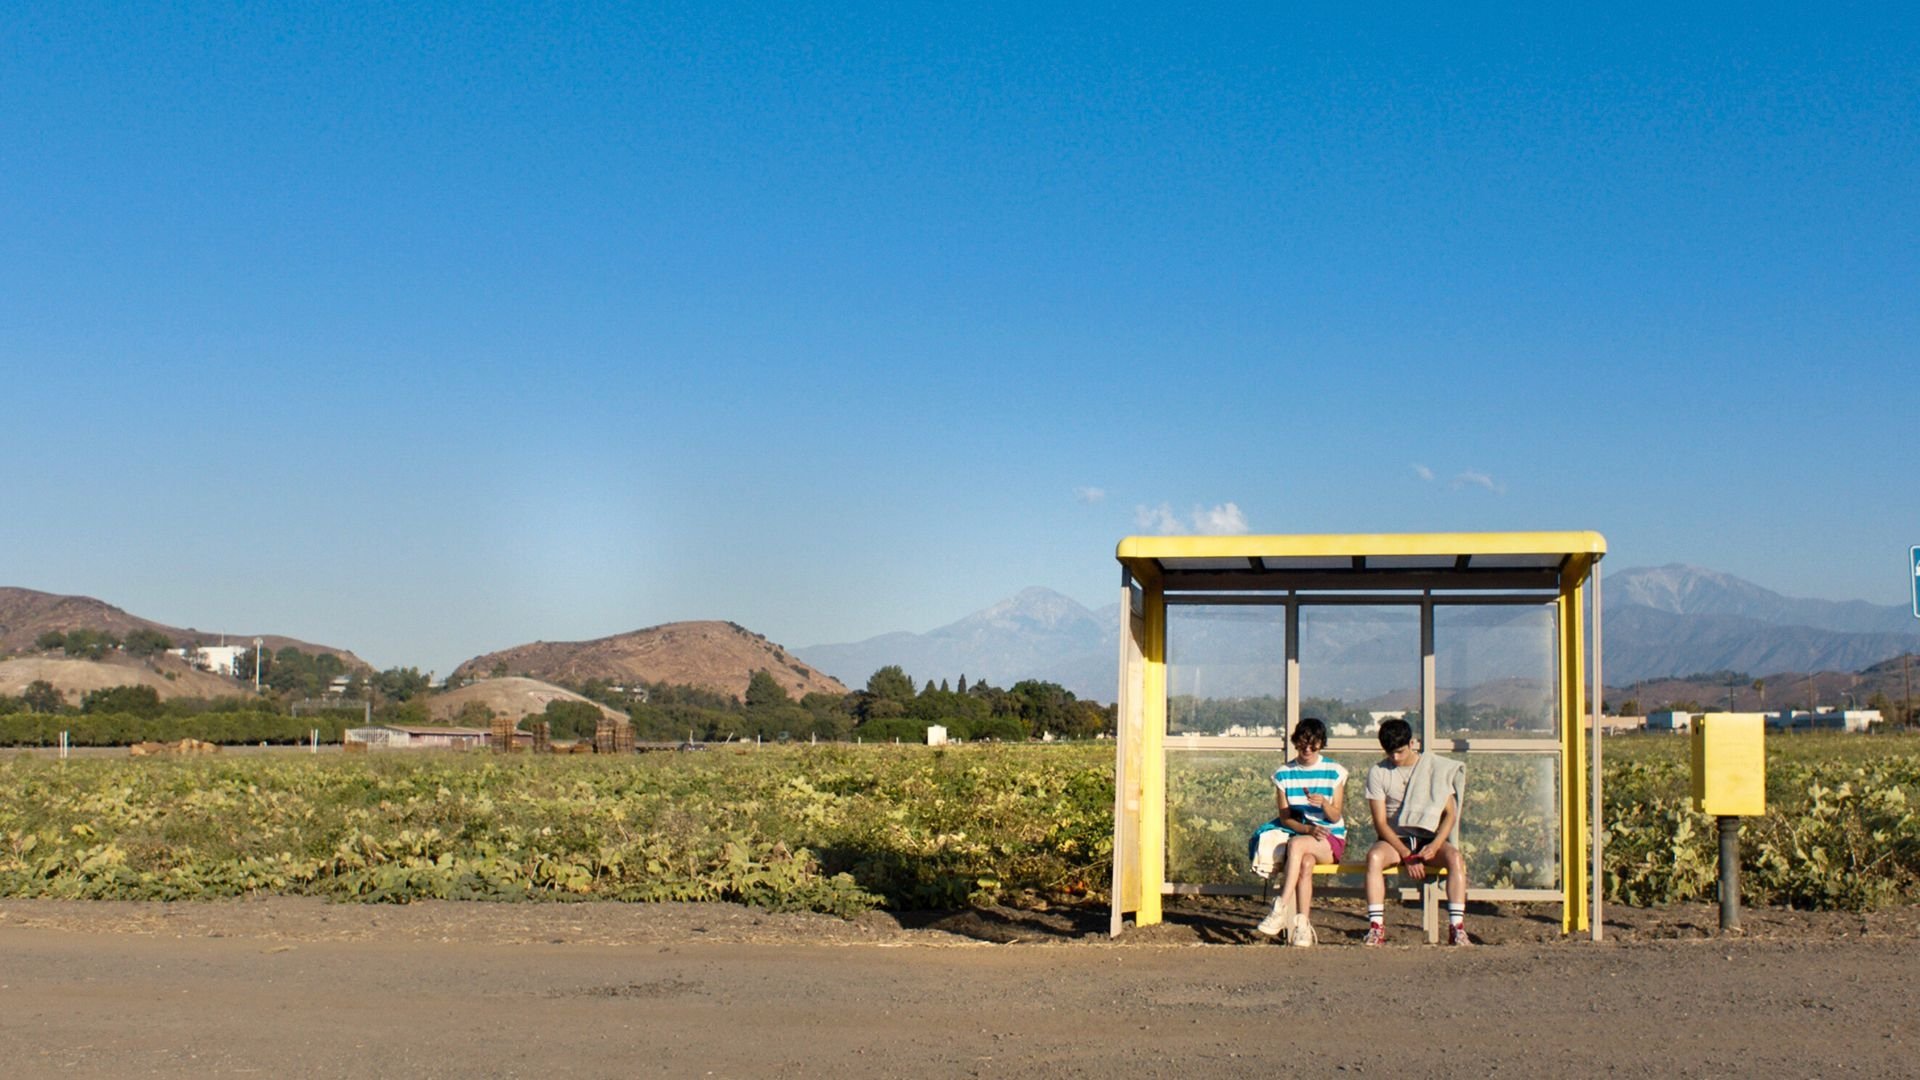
[1274,923]
[1302,936]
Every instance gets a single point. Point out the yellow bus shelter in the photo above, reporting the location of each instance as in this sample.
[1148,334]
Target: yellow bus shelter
[1480,640]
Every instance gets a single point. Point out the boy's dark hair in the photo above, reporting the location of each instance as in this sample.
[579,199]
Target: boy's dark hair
[1310,727]
[1395,733]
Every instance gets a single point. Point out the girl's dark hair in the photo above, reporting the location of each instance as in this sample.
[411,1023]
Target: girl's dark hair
[1310,728]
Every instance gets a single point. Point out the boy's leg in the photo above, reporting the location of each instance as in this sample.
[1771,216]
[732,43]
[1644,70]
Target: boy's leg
[1456,865]
[1379,857]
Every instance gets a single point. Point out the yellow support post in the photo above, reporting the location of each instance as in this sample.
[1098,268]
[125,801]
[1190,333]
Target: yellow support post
[1152,853]
[1574,872]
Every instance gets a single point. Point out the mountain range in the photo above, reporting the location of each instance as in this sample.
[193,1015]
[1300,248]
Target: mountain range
[1660,621]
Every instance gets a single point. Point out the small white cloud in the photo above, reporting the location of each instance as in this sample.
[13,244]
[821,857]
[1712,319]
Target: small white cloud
[1225,519]
[1090,494]
[1160,519]
[1479,479]
[1423,472]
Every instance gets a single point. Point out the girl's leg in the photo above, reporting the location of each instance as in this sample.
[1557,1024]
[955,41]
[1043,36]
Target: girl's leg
[1312,853]
[1296,850]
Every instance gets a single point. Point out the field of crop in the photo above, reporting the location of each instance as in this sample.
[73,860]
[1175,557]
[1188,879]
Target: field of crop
[840,828]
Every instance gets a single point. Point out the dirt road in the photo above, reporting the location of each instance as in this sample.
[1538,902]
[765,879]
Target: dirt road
[290,987]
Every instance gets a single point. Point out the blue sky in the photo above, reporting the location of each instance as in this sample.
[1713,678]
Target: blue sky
[424,330]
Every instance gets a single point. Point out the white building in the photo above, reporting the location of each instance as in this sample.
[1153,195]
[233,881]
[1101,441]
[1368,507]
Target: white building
[219,659]
[936,735]
[1669,720]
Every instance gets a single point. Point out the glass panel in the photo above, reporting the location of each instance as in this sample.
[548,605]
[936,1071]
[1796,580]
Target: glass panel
[1215,799]
[1214,802]
[1510,831]
[1226,670]
[1359,665]
[1494,671]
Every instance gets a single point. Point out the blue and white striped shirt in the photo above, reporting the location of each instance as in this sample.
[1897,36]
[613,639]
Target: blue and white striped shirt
[1323,777]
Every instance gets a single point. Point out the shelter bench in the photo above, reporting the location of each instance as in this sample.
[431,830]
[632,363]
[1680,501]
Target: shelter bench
[1428,890]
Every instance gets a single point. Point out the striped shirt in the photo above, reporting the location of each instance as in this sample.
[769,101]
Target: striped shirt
[1324,777]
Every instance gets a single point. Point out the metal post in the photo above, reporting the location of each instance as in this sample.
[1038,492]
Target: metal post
[1599,828]
[1729,872]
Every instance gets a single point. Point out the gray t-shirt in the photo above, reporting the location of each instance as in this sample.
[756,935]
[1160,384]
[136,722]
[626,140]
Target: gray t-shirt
[1388,783]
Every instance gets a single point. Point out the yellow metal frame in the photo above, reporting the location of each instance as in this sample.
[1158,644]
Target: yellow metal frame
[1558,567]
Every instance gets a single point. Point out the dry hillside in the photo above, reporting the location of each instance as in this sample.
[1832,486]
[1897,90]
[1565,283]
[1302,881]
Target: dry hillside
[512,696]
[717,655]
[168,675]
[26,614]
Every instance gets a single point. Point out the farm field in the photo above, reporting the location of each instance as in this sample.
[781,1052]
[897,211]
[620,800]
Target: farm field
[842,829]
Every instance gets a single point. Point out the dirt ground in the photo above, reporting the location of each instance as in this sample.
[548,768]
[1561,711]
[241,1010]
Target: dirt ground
[300,987]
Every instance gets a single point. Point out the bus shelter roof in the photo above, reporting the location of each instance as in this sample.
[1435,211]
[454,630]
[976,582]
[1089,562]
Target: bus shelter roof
[1504,561]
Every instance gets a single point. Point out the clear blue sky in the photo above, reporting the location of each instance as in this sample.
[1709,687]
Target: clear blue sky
[425,330]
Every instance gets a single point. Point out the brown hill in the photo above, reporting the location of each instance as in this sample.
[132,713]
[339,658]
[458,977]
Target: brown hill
[75,679]
[26,614]
[718,655]
[515,697]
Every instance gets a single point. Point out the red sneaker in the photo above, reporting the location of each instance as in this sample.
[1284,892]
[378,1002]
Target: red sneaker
[1376,934]
[1457,935]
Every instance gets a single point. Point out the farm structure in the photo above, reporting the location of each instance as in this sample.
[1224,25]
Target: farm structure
[1479,639]
[411,737]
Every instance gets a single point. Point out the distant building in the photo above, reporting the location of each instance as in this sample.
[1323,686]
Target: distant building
[1669,720]
[412,737]
[936,735]
[219,659]
[1852,721]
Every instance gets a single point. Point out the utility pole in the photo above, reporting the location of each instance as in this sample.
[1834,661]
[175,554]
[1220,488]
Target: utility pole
[256,664]
[1907,709]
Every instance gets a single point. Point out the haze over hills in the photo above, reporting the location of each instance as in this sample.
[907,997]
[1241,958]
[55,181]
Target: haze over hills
[1660,621]
[718,655]
[25,614]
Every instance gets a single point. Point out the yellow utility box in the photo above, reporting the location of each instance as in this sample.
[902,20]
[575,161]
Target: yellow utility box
[1730,765]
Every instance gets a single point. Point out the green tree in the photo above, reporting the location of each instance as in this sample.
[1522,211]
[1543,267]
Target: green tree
[765,692]
[50,640]
[571,719]
[891,683]
[143,701]
[41,697]
[146,642]
[90,644]
[399,684]
[473,714]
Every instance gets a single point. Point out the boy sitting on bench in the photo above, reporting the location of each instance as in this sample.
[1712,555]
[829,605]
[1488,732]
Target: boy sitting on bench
[1415,799]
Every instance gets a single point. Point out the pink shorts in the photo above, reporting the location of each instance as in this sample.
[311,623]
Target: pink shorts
[1339,846]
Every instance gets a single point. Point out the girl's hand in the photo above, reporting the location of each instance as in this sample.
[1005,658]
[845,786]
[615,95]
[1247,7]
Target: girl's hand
[1318,800]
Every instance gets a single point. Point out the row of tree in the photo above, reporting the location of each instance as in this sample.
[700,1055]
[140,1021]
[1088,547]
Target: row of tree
[890,707]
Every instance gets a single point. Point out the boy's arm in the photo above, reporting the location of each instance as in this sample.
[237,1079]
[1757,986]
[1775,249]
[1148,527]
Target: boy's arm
[1444,833]
[1384,829]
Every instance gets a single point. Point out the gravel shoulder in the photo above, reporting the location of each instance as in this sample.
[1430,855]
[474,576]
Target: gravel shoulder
[445,989]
